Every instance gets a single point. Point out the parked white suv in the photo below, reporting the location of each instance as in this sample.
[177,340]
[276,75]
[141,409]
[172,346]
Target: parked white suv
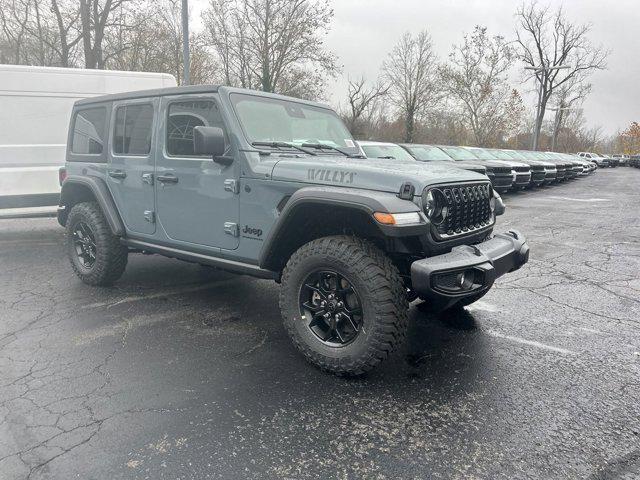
[596,158]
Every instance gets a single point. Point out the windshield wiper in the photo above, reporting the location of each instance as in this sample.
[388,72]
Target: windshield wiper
[387,157]
[283,145]
[324,146]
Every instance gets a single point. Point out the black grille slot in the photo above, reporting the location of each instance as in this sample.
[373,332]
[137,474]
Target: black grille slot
[499,169]
[467,207]
[521,169]
[537,168]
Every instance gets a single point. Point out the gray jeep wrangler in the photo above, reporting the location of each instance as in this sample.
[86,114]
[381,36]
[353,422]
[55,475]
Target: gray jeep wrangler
[275,187]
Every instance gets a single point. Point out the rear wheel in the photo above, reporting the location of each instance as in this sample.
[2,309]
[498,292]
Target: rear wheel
[343,304]
[96,255]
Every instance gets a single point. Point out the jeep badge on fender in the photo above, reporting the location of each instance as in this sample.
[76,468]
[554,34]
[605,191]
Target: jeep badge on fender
[250,231]
[349,249]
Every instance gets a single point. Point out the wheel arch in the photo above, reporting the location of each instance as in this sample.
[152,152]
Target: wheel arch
[314,212]
[77,189]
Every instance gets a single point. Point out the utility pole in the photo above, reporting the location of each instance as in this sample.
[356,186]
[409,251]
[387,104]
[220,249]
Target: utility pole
[543,71]
[186,73]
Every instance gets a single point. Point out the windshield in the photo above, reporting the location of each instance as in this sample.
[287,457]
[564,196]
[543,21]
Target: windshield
[482,154]
[459,153]
[265,119]
[502,155]
[529,155]
[428,153]
[395,152]
[515,155]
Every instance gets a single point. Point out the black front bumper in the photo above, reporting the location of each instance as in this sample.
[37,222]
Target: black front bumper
[500,181]
[468,269]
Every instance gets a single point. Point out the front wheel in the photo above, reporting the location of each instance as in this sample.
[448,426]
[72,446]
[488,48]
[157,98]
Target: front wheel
[343,304]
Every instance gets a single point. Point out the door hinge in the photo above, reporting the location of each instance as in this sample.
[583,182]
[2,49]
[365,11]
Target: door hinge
[232,185]
[149,216]
[231,228]
[147,178]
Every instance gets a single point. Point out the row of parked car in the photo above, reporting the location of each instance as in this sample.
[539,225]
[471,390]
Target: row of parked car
[507,169]
[634,161]
[615,160]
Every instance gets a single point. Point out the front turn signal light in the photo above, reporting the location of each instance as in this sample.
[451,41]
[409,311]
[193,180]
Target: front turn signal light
[409,218]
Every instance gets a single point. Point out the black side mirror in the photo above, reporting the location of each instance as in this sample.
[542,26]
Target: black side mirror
[210,141]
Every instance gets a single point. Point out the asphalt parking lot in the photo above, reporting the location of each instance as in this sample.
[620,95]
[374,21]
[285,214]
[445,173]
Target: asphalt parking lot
[180,371]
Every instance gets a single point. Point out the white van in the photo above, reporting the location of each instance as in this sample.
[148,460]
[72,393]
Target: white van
[35,106]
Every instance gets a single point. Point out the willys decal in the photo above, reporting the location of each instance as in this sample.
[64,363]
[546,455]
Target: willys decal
[333,176]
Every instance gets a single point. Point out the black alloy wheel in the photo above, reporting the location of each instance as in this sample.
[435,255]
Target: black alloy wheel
[85,244]
[331,307]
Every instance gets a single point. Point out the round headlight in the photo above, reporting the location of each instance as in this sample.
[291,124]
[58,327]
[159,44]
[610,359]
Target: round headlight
[430,205]
[434,206]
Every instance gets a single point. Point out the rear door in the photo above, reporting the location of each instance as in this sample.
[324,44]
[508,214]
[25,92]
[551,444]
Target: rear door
[130,169]
[197,198]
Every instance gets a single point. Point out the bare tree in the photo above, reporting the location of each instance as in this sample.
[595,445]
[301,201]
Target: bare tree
[273,45]
[97,17]
[411,70]
[548,40]
[14,19]
[56,30]
[476,77]
[569,96]
[361,99]
[151,40]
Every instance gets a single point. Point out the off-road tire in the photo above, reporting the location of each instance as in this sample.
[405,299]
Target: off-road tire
[379,287]
[111,255]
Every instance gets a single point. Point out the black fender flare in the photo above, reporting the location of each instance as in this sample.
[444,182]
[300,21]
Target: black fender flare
[100,191]
[367,201]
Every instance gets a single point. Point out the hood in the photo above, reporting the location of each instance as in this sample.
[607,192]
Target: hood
[472,166]
[509,163]
[494,163]
[371,174]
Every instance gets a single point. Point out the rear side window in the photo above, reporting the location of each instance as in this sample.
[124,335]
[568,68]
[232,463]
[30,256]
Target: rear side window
[183,117]
[88,131]
[132,130]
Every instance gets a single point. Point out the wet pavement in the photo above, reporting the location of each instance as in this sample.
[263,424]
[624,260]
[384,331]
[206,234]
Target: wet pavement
[180,371]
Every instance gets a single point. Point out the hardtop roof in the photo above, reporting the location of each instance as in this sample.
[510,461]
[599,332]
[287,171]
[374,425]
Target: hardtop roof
[191,89]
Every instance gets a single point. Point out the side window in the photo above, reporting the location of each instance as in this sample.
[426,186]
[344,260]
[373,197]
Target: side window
[88,131]
[183,117]
[132,130]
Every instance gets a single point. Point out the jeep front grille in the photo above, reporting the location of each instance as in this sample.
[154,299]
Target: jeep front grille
[499,169]
[522,169]
[468,209]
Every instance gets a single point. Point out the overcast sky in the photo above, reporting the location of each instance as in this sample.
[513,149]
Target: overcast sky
[364,31]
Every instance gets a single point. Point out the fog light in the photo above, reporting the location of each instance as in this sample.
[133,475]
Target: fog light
[465,280]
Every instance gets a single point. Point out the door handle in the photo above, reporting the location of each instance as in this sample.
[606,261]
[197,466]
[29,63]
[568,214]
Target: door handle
[167,179]
[119,174]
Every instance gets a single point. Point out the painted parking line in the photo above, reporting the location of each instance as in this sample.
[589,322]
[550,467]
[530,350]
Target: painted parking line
[530,343]
[482,306]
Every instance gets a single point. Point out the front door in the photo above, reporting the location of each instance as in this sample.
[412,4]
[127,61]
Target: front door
[130,168]
[197,200]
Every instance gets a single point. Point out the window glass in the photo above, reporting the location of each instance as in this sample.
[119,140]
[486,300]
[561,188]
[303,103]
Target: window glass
[427,153]
[183,117]
[88,131]
[391,152]
[132,130]
[458,153]
[266,119]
